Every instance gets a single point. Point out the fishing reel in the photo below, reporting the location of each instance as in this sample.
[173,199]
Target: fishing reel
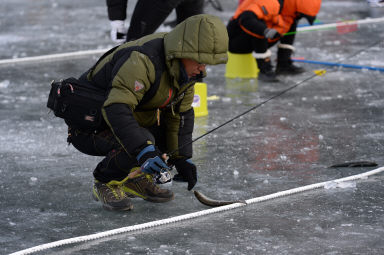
[163,176]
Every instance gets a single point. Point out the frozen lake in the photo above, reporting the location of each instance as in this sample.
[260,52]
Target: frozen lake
[289,142]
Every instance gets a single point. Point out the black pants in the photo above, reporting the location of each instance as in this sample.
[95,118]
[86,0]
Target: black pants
[240,42]
[148,15]
[117,162]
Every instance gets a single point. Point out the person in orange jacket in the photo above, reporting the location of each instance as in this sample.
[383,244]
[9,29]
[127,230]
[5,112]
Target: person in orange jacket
[257,25]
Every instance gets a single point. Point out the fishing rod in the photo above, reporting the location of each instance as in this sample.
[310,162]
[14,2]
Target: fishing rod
[244,113]
[381,69]
[215,203]
[269,99]
[341,24]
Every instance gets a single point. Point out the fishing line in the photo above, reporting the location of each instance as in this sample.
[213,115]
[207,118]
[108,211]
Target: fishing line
[269,99]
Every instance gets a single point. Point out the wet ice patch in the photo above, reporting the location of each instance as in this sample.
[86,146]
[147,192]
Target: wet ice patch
[341,185]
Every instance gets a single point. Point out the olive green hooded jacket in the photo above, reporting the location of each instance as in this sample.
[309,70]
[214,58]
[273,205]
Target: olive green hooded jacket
[130,74]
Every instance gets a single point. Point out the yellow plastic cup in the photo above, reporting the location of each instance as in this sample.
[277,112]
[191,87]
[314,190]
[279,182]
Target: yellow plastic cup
[200,99]
[241,66]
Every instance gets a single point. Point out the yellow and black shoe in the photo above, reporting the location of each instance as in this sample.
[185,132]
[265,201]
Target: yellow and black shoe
[143,186]
[111,196]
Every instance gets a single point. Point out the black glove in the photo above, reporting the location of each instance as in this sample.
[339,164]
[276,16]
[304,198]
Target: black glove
[151,161]
[186,172]
[271,33]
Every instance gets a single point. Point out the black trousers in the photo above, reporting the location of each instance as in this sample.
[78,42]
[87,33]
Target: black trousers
[117,163]
[148,15]
[240,42]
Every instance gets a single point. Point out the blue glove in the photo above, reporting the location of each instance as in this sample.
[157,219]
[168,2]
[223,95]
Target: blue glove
[150,160]
[186,172]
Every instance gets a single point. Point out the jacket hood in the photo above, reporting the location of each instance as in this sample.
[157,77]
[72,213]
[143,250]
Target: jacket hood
[202,38]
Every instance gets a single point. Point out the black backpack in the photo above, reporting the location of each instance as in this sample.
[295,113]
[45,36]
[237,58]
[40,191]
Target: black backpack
[77,102]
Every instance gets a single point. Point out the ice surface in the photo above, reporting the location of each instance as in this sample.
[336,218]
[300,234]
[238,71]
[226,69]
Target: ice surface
[45,187]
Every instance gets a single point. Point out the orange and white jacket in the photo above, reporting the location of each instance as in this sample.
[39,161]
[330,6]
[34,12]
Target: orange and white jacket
[276,14]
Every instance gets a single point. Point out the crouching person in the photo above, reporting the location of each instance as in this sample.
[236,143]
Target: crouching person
[147,112]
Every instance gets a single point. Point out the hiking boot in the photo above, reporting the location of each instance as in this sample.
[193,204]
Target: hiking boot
[266,72]
[284,62]
[143,186]
[111,196]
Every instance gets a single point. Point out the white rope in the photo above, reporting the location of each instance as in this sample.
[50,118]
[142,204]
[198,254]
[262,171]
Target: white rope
[184,217]
[99,51]
[52,56]
[313,186]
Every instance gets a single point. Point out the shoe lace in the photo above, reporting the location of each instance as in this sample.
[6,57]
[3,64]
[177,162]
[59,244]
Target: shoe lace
[112,191]
[149,180]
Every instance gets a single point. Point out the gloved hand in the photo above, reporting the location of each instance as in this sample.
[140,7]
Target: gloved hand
[271,33]
[118,31]
[186,172]
[150,160]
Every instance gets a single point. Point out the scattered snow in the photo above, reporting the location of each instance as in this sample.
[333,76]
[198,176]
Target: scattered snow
[4,84]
